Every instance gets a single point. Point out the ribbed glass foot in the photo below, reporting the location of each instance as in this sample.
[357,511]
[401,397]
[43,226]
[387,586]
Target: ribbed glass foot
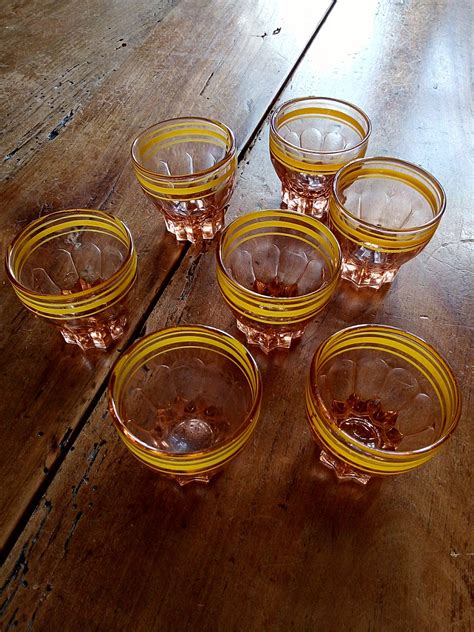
[270,339]
[362,276]
[99,335]
[185,480]
[315,205]
[196,228]
[343,471]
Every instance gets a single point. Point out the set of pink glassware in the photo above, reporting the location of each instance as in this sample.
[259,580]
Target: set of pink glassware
[186,400]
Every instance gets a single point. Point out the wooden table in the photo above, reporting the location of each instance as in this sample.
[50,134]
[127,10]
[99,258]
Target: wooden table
[92,540]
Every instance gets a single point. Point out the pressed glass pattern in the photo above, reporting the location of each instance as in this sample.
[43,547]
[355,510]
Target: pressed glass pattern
[276,270]
[75,269]
[383,212]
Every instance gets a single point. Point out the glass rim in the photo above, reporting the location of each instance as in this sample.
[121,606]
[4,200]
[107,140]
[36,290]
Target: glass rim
[96,289]
[119,364]
[389,161]
[275,300]
[315,152]
[229,155]
[379,453]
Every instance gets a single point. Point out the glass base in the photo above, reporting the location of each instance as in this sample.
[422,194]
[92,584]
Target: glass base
[185,480]
[372,277]
[196,228]
[182,479]
[101,335]
[316,205]
[343,471]
[269,339]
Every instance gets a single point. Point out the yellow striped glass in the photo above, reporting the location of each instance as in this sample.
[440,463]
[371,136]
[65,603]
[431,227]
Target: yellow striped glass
[379,401]
[383,211]
[75,269]
[185,400]
[187,167]
[310,139]
[276,270]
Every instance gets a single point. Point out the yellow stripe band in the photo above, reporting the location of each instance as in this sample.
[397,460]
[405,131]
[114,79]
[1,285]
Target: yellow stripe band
[176,190]
[187,132]
[322,112]
[312,161]
[189,464]
[312,165]
[183,136]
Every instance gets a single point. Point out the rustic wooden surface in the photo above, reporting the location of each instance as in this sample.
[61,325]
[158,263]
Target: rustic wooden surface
[273,543]
[56,58]
[232,75]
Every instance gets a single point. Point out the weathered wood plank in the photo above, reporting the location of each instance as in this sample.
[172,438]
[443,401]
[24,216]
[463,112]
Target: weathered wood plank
[274,543]
[55,58]
[228,71]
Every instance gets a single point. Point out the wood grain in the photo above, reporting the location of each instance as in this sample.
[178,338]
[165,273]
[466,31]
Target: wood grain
[274,543]
[55,58]
[230,72]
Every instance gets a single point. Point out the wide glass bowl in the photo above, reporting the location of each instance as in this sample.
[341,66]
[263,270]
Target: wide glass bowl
[185,400]
[379,401]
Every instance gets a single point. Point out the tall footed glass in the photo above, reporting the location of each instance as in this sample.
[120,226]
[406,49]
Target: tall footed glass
[187,167]
[75,269]
[310,139]
[383,211]
[185,401]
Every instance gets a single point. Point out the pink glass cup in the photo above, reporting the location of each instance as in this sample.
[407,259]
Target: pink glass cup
[185,401]
[310,139]
[383,211]
[276,271]
[187,168]
[75,269]
[380,401]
